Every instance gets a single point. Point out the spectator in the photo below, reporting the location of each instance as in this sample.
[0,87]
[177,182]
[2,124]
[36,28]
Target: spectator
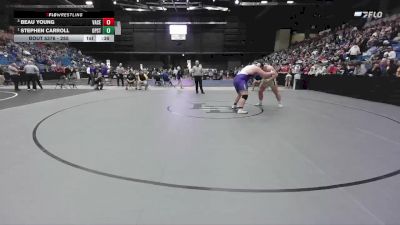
[93,73]
[296,68]
[376,70]
[391,68]
[88,74]
[321,70]
[391,54]
[130,79]
[313,70]
[104,71]
[174,72]
[350,69]
[165,78]
[398,70]
[15,76]
[383,66]
[2,78]
[141,80]
[360,69]
[179,76]
[332,69]
[354,52]
[288,80]
[99,81]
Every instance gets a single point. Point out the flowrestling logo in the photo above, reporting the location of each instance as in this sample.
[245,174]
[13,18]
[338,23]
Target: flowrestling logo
[369,14]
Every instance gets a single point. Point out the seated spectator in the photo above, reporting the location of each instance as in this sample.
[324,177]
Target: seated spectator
[360,69]
[221,73]
[390,53]
[313,70]
[350,69]
[398,70]
[288,80]
[376,70]
[165,77]
[2,78]
[306,70]
[321,70]
[284,69]
[383,66]
[354,51]
[391,68]
[99,82]
[130,79]
[297,68]
[142,78]
[332,69]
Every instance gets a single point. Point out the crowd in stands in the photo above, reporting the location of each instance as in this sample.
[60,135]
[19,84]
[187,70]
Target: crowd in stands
[47,56]
[372,49]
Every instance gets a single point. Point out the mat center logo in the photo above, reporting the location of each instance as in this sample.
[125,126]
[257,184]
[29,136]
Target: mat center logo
[212,109]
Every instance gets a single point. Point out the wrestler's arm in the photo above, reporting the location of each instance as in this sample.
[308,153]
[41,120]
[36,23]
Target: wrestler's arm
[271,74]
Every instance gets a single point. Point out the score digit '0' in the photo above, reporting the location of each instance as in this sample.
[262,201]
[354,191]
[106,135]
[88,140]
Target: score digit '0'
[108,21]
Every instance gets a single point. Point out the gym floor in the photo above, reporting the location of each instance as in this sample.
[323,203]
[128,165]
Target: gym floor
[169,156]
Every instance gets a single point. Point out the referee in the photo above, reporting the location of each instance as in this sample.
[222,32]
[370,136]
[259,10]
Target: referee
[31,72]
[120,74]
[197,73]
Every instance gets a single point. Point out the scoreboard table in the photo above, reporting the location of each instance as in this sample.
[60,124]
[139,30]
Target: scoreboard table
[33,26]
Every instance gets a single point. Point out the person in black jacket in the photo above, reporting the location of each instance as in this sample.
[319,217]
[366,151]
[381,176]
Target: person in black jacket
[179,76]
[376,70]
[391,68]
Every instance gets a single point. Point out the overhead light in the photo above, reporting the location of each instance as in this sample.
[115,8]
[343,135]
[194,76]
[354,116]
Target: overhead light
[213,0]
[216,8]
[264,2]
[114,2]
[89,2]
[137,0]
[290,2]
[132,9]
[192,8]
[158,8]
[183,54]
[236,2]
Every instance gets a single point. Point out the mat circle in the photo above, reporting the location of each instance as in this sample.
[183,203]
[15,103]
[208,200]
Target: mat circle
[206,188]
[14,94]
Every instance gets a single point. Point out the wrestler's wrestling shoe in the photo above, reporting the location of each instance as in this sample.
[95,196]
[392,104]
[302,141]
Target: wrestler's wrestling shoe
[241,111]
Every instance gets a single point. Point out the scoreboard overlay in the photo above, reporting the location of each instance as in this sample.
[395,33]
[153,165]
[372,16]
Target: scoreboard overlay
[31,26]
